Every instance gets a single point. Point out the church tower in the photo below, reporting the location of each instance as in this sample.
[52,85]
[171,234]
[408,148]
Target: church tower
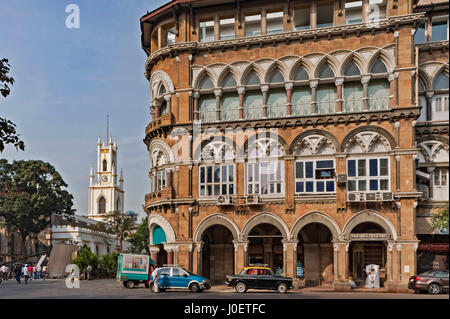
[106,193]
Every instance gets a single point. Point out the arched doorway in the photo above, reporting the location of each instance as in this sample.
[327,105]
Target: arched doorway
[265,247]
[158,238]
[368,246]
[217,253]
[315,254]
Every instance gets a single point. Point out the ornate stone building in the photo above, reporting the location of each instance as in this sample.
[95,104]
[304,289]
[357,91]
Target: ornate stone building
[289,134]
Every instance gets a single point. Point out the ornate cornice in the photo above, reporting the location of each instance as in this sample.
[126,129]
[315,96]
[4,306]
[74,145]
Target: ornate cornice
[286,37]
[432,46]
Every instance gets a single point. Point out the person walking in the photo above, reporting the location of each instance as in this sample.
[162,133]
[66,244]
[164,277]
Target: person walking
[17,273]
[4,271]
[25,274]
[89,270]
[34,273]
[38,271]
[30,272]
[44,272]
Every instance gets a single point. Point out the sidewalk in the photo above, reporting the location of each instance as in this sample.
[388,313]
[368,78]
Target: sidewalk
[225,288]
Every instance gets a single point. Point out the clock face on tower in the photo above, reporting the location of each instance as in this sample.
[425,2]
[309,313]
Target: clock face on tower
[104,178]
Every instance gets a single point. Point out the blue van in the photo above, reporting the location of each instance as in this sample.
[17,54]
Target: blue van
[178,278]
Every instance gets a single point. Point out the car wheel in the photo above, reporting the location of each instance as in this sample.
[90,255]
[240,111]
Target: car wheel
[194,288]
[241,287]
[130,284]
[434,289]
[282,288]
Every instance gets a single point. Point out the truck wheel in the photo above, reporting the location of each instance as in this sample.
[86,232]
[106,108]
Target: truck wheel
[130,284]
[434,289]
[194,288]
[282,288]
[241,287]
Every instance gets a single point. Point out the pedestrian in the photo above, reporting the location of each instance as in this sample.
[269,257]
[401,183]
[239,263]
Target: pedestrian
[34,273]
[89,270]
[44,272]
[25,274]
[4,272]
[17,273]
[30,271]
[38,271]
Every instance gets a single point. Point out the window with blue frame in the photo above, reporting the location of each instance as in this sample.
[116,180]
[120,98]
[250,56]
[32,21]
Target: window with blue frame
[314,176]
[368,175]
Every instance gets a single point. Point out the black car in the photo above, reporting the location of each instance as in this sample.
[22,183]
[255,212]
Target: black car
[258,278]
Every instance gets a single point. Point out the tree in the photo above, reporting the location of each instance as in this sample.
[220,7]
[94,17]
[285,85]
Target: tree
[85,258]
[30,193]
[116,223]
[8,134]
[109,263]
[140,239]
[440,220]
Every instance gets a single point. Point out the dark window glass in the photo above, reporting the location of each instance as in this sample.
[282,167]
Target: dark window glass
[351,167]
[320,187]
[299,187]
[309,169]
[373,166]
[361,167]
[299,169]
[373,184]
[330,186]
[202,174]
[352,69]
[324,164]
[378,67]
[301,74]
[209,174]
[309,186]
[326,72]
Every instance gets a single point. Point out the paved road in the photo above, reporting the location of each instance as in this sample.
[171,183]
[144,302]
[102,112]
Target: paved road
[111,289]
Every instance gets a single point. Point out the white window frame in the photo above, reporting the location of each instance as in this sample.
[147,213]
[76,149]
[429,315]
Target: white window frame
[367,178]
[226,22]
[313,179]
[208,24]
[161,180]
[213,183]
[274,182]
[439,19]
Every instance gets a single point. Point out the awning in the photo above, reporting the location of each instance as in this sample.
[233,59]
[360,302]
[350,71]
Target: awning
[433,247]
[422,174]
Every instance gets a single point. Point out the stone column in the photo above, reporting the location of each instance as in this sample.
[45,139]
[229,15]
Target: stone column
[157,108]
[199,246]
[397,172]
[347,260]
[399,261]
[390,271]
[391,79]
[264,21]
[429,97]
[218,94]
[339,82]
[196,95]
[289,86]
[241,91]
[365,82]
[290,257]
[168,98]
[154,250]
[264,90]
[240,257]
[430,171]
[313,84]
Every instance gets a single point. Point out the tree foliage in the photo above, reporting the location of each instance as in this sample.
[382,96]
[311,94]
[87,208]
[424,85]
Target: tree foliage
[8,134]
[140,239]
[439,221]
[30,193]
[85,258]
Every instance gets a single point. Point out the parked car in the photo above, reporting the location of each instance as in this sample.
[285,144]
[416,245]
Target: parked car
[176,277]
[258,277]
[433,281]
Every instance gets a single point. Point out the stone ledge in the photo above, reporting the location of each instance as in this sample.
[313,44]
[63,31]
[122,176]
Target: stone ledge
[395,286]
[342,286]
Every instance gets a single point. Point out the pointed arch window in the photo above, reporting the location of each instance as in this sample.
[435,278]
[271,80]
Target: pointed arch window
[101,206]
[206,83]
[207,107]
[229,81]
[439,103]
[276,77]
[378,67]
[301,74]
[379,86]
[422,102]
[253,102]
[353,89]
[326,72]
[301,93]
[252,79]
[441,82]
[229,106]
[105,166]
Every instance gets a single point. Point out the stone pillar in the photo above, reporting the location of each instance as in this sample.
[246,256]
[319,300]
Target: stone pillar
[391,79]
[313,84]
[399,261]
[429,97]
[241,91]
[154,250]
[430,171]
[340,265]
[168,98]
[268,242]
[196,95]
[240,255]
[264,21]
[397,172]
[339,82]
[390,270]
[289,257]
[365,82]
[169,173]
[199,246]
[289,86]
[264,90]
[157,107]
[218,94]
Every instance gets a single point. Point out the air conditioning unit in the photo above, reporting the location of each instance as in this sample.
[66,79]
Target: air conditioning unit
[341,178]
[354,197]
[223,200]
[378,197]
[253,200]
[371,197]
[388,196]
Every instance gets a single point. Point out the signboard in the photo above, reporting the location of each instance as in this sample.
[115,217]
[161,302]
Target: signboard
[41,260]
[299,271]
[433,247]
[369,236]
[135,264]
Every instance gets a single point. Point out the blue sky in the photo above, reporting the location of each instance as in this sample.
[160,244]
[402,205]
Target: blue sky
[67,80]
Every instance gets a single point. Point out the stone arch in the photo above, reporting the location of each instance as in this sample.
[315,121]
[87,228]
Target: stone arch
[301,62]
[216,219]
[265,218]
[384,56]
[368,128]
[276,65]
[332,62]
[155,220]
[263,135]
[201,75]
[228,70]
[249,68]
[298,139]
[158,79]
[425,79]
[355,57]
[434,150]
[227,142]
[369,216]
[442,70]
[160,148]
[316,217]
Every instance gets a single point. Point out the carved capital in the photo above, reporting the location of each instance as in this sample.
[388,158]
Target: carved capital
[338,81]
[241,89]
[217,92]
[365,78]
[289,85]
[313,83]
[264,87]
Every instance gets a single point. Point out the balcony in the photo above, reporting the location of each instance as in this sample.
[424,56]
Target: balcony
[160,197]
[161,122]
